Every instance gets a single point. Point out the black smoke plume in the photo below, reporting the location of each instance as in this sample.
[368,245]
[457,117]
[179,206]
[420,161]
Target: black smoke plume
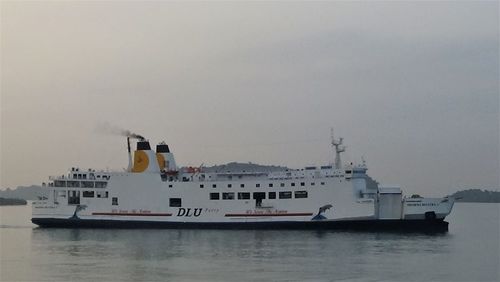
[110,129]
[130,134]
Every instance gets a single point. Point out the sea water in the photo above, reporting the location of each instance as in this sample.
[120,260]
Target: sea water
[470,251]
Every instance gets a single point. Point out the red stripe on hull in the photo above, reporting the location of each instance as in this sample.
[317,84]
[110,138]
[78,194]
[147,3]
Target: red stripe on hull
[131,214]
[266,214]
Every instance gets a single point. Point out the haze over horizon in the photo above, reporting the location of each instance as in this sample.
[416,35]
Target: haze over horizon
[413,87]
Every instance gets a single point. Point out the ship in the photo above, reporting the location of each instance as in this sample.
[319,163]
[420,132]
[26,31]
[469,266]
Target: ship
[153,192]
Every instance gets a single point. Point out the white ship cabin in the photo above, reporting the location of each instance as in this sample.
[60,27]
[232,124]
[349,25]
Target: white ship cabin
[92,184]
[311,172]
[81,178]
[166,166]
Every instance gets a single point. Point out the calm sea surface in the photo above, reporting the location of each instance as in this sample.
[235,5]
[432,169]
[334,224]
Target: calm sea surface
[468,252]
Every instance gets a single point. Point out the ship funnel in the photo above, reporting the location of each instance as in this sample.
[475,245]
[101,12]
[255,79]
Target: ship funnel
[144,158]
[129,168]
[165,158]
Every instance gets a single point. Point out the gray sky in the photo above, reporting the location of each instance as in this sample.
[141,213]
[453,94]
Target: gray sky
[412,86]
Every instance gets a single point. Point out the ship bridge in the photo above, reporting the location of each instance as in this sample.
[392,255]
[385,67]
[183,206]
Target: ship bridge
[77,178]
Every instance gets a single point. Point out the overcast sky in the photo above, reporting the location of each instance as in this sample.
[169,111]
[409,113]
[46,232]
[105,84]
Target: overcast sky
[411,86]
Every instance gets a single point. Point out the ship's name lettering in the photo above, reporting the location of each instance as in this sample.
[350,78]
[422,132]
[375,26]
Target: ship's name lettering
[210,210]
[188,212]
[131,211]
[266,212]
[422,205]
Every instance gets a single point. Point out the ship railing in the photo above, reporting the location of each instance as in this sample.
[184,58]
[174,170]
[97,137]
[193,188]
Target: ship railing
[40,202]
[413,198]
[286,177]
[241,173]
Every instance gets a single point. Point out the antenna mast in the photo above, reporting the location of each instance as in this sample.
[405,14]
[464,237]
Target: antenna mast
[338,149]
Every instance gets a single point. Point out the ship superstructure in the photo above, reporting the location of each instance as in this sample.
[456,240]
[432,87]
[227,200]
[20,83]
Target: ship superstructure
[154,192]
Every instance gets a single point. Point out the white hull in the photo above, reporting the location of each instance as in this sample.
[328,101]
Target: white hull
[311,198]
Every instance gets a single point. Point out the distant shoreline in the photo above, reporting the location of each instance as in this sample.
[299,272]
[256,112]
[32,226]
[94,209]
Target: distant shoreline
[12,202]
[476,196]
[476,202]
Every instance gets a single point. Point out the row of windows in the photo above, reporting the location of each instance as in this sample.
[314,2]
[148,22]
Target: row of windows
[270,185]
[91,176]
[258,195]
[74,195]
[79,176]
[77,184]
[96,194]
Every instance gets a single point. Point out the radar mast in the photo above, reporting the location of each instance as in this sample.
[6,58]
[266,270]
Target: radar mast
[339,148]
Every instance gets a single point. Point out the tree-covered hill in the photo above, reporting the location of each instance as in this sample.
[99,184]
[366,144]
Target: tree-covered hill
[477,196]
